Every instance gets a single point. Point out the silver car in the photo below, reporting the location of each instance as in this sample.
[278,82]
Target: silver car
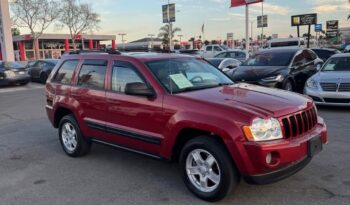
[331,85]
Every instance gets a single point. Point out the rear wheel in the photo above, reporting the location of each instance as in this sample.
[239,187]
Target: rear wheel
[74,144]
[207,169]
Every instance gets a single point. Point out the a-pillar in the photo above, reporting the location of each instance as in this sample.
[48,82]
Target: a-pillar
[113,44]
[91,45]
[66,45]
[22,51]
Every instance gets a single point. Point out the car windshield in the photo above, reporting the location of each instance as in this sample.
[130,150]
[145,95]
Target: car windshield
[215,62]
[337,64]
[187,74]
[270,59]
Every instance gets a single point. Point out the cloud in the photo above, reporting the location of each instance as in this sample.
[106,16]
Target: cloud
[270,8]
[336,6]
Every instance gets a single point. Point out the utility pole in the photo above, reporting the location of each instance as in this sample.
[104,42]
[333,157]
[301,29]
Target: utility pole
[251,28]
[122,35]
[180,36]
[151,36]
[247,40]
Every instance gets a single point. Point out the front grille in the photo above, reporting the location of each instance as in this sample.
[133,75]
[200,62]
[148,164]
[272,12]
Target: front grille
[299,123]
[329,87]
[344,87]
[335,100]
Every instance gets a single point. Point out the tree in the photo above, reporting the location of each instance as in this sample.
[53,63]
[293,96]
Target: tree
[36,15]
[206,42]
[164,33]
[15,31]
[78,18]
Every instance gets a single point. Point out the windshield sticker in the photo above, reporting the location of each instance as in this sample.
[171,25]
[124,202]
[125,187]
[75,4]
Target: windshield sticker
[329,66]
[181,81]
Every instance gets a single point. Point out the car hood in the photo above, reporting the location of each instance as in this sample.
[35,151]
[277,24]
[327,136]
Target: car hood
[257,100]
[332,77]
[255,73]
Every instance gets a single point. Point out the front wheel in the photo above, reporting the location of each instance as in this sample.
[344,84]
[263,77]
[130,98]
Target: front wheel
[43,78]
[207,169]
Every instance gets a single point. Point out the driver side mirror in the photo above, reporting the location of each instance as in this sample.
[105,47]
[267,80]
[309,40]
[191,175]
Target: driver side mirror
[139,89]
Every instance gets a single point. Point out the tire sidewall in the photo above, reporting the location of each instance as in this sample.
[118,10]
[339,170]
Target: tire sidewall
[71,120]
[227,179]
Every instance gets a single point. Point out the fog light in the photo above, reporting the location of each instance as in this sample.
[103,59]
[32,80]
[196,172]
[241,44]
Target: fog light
[269,158]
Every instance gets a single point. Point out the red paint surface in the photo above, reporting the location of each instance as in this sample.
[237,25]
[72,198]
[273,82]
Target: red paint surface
[66,44]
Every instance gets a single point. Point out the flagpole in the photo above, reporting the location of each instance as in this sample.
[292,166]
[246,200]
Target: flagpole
[247,40]
[263,22]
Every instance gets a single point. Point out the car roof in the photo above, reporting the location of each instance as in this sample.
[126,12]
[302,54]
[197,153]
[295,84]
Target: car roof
[280,50]
[341,55]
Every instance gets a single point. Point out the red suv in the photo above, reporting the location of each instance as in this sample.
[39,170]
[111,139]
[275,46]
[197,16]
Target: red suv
[177,107]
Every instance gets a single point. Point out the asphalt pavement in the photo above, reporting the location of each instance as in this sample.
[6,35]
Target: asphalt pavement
[34,169]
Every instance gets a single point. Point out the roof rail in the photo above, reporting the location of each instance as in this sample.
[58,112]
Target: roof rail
[107,51]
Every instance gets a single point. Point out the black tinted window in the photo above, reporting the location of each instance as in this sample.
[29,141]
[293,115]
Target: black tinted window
[92,74]
[270,59]
[124,73]
[65,73]
[209,48]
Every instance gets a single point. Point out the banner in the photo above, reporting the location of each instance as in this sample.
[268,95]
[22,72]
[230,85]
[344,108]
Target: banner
[235,3]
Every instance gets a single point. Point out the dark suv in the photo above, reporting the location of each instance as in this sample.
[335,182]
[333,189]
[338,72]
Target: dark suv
[176,107]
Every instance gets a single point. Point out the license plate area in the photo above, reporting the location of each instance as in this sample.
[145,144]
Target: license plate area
[314,146]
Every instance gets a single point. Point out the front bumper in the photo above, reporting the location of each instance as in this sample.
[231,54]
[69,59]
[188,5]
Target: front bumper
[328,98]
[289,156]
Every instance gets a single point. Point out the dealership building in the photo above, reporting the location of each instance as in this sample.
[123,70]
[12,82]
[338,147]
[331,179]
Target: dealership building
[54,45]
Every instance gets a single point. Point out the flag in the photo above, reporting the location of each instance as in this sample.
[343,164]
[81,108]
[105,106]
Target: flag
[203,28]
[235,3]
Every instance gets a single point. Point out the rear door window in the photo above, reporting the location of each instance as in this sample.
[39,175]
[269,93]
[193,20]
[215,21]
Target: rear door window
[65,72]
[92,74]
[209,48]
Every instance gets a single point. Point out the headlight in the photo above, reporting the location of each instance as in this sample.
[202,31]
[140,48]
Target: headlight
[10,74]
[311,83]
[263,130]
[278,78]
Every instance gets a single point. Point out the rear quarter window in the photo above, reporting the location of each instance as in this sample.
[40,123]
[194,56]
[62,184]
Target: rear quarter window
[65,72]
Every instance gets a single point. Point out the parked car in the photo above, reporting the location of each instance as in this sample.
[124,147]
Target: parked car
[235,54]
[12,73]
[181,108]
[325,53]
[224,64]
[41,69]
[331,86]
[286,42]
[279,68]
[192,52]
[209,51]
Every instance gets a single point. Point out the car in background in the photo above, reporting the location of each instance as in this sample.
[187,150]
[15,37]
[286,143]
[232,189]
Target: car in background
[238,54]
[224,64]
[41,69]
[283,68]
[331,85]
[191,52]
[209,51]
[325,53]
[286,42]
[12,73]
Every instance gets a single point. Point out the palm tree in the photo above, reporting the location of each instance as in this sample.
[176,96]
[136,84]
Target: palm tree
[164,33]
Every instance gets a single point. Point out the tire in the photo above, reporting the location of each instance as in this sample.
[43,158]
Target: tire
[74,144]
[225,174]
[43,78]
[288,85]
[26,83]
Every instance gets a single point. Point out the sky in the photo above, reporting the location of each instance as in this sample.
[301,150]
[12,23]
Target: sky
[138,18]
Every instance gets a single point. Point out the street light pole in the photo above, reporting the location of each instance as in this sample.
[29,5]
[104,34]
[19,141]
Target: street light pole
[151,36]
[122,35]
[180,36]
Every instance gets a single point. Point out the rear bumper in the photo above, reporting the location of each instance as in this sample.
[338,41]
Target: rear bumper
[17,79]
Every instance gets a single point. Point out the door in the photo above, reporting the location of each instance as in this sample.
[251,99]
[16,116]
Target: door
[89,97]
[208,52]
[298,69]
[133,121]
[36,69]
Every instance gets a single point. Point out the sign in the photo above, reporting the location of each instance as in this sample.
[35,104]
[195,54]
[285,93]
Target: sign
[332,25]
[236,3]
[305,19]
[229,35]
[168,13]
[318,27]
[262,21]
[332,34]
